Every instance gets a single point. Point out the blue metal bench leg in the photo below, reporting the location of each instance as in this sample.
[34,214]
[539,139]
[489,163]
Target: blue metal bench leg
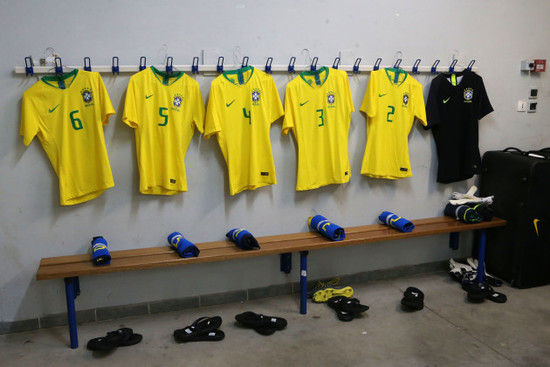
[286,262]
[303,282]
[481,256]
[453,240]
[72,290]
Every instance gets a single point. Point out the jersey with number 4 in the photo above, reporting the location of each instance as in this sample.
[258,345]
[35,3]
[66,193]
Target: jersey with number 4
[67,114]
[318,109]
[164,109]
[242,106]
[392,102]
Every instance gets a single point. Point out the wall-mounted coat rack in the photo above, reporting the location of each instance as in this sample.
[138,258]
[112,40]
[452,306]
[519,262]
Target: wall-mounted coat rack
[195,68]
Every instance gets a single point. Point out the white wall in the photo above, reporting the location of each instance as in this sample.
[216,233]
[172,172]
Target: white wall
[497,34]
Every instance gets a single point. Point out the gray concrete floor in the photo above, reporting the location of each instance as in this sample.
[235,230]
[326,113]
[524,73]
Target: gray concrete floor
[449,331]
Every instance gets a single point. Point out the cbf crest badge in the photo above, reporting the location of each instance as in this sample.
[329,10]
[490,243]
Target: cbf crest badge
[178,100]
[86,94]
[331,99]
[468,94]
[405,99]
[256,94]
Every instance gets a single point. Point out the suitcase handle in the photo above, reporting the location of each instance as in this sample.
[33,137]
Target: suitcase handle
[510,149]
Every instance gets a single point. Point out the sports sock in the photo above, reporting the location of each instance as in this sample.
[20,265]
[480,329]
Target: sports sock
[101,255]
[243,239]
[183,247]
[330,230]
[395,221]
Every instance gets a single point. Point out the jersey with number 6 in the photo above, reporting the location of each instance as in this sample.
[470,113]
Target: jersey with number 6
[242,106]
[392,102]
[164,109]
[318,109]
[67,114]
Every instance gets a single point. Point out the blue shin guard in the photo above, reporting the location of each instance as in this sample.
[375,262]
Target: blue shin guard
[243,239]
[395,221]
[101,255]
[330,230]
[182,246]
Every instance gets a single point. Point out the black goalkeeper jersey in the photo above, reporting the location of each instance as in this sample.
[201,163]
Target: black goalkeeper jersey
[456,102]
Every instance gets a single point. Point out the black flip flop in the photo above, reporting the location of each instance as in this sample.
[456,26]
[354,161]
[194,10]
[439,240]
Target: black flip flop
[263,324]
[119,338]
[346,308]
[130,338]
[496,296]
[200,330]
[413,299]
[477,292]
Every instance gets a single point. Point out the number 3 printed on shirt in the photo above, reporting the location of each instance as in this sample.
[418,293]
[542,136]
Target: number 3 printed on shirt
[321,112]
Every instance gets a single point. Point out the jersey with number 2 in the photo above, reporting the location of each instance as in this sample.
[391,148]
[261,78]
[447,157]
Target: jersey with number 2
[392,102]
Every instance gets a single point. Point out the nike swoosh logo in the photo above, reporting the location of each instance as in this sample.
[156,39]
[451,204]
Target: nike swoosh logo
[381,95]
[535,223]
[229,104]
[446,100]
[149,96]
[53,109]
[301,104]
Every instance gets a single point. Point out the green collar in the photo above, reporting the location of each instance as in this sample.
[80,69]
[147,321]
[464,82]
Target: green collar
[240,73]
[60,82]
[318,81]
[166,78]
[397,72]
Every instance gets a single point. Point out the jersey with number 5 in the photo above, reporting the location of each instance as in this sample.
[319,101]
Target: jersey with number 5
[164,109]
[67,114]
[392,102]
[242,106]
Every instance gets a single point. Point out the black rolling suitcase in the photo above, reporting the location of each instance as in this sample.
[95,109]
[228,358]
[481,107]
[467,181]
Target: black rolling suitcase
[520,182]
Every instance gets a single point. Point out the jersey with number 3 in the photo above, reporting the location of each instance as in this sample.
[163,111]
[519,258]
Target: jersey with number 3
[242,106]
[392,102]
[318,109]
[67,114]
[164,109]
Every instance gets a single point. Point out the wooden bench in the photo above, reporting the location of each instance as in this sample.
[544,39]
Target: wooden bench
[71,267]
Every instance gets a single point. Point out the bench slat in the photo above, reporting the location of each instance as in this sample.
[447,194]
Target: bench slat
[156,257]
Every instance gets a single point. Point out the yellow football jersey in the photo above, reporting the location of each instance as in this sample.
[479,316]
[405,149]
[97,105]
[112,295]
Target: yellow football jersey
[242,106]
[318,107]
[164,109]
[67,114]
[392,101]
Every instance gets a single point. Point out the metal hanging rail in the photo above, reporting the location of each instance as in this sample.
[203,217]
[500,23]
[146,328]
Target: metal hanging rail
[195,68]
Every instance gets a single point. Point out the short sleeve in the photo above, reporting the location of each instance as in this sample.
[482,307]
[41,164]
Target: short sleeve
[276,107]
[29,120]
[107,109]
[130,112]
[419,107]
[484,106]
[432,108]
[198,108]
[368,105]
[212,123]
[348,92]
[288,122]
